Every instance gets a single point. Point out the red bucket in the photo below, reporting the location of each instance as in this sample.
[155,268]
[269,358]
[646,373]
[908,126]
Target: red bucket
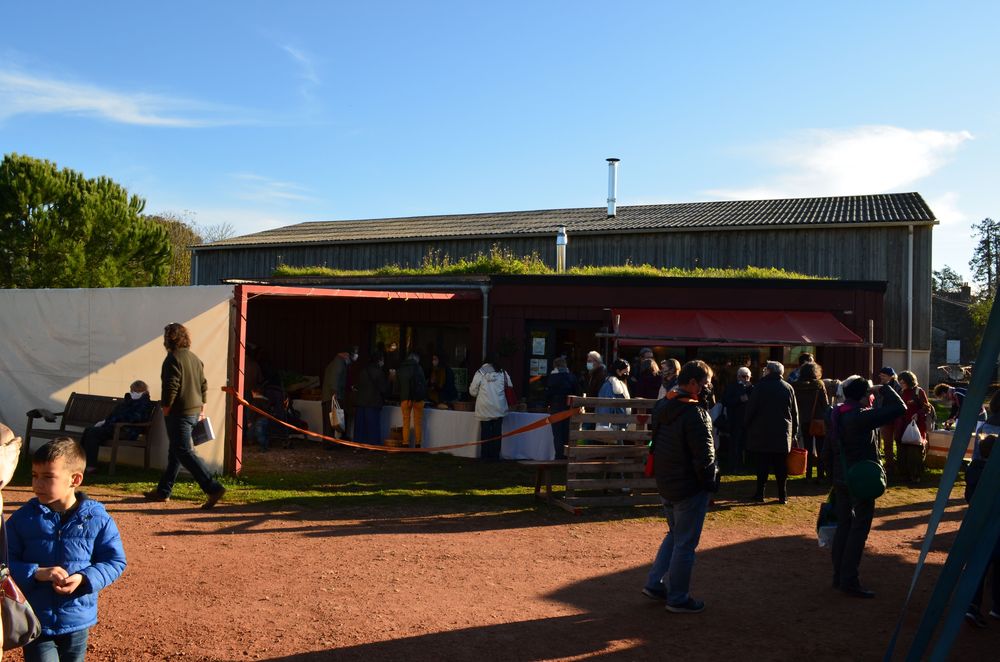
[798,460]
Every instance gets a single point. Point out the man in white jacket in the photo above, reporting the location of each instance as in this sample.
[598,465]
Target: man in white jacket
[488,387]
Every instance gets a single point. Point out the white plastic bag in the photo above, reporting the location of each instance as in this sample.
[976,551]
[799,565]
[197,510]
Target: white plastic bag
[825,533]
[911,435]
[336,417]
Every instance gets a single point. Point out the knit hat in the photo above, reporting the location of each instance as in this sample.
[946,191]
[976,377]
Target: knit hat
[887,371]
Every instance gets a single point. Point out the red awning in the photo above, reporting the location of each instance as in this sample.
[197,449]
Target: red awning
[646,326]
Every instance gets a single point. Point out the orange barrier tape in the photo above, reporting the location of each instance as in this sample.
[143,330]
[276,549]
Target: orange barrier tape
[540,423]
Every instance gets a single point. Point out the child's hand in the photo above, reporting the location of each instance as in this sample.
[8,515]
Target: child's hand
[68,585]
[54,574]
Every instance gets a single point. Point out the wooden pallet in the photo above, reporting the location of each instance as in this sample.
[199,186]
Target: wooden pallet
[605,466]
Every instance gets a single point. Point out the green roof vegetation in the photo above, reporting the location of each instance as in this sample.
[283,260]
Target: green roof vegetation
[501,262]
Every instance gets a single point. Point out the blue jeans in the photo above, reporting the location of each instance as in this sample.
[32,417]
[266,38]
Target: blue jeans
[181,453]
[675,559]
[69,647]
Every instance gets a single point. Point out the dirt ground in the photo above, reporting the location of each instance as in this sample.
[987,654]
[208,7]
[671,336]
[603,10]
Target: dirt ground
[262,583]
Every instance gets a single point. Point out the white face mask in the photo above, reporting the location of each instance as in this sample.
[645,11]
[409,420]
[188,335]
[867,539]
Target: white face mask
[590,366]
[136,396]
[354,357]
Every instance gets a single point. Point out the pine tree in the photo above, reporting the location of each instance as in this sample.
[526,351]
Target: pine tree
[61,229]
[985,262]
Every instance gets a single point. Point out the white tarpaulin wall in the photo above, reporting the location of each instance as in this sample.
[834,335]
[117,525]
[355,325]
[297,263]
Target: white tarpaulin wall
[99,341]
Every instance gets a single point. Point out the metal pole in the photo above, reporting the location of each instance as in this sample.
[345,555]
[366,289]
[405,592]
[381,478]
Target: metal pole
[909,299]
[871,348]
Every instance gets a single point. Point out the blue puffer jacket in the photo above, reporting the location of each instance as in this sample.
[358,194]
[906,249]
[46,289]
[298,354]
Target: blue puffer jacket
[88,543]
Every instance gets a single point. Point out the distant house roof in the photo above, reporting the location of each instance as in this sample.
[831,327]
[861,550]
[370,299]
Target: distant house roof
[857,210]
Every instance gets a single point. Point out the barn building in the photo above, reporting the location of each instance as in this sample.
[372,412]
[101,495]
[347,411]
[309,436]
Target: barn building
[881,241]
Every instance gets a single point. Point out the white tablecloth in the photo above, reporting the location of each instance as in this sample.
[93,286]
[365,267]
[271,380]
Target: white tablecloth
[312,413]
[444,426]
[533,445]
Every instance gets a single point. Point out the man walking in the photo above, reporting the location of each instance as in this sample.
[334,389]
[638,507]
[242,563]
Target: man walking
[686,473]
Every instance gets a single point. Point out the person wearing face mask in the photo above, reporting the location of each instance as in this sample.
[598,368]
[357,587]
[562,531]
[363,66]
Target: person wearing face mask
[668,372]
[134,407]
[686,475]
[335,384]
[596,374]
[373,387]
[735,401]
[616,386]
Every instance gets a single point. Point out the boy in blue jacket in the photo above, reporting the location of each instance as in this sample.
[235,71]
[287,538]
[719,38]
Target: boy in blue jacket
[62,548]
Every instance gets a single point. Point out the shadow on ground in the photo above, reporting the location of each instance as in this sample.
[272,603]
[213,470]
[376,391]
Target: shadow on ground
[767,599]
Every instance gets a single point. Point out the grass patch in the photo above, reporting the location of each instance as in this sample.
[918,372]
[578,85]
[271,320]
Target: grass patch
[346,478]
[415,485]
[501,261]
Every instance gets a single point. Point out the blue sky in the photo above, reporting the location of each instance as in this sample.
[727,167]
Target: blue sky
[262,114]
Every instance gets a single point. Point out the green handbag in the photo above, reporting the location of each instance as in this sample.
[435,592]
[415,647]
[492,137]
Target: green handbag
[866,480]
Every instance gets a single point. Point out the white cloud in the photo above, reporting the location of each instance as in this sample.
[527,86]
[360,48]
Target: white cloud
[307,70]
[946,210]
[866,159]
[21,93]
[257,188]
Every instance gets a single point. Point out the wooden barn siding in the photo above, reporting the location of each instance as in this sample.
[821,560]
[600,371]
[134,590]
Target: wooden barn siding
[303,335]
[854,254]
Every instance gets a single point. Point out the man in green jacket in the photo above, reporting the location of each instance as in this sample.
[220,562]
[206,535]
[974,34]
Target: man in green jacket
[182,398]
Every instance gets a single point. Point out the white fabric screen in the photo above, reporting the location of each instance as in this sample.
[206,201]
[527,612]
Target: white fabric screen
[99,341]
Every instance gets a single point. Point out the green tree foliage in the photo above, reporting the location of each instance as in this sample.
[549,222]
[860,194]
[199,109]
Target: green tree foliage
[947,281]
[182,236]
[985,262]
[61,229]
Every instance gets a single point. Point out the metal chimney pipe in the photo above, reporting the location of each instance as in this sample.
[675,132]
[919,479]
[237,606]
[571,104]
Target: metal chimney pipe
[612,186]
[561,241]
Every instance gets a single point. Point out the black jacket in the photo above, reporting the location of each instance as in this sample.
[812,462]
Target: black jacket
[772,417]
[410,376]
[684,457]
[131,411]
[735,407]
[373,386]
[559,386]
[852,427]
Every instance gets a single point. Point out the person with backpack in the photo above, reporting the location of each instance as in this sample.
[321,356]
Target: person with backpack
[853,439]
[412,395]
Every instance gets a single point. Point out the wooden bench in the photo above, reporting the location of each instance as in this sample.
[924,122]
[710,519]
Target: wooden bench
[82,411]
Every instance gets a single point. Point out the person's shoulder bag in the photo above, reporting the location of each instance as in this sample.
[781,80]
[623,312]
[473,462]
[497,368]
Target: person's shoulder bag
[20,625]
[817,426]
[865,479]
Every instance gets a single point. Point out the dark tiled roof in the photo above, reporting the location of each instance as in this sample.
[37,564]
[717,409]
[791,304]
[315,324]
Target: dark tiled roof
[845,210]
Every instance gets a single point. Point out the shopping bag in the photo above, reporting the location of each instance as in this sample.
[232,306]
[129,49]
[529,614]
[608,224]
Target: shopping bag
[336,417]
[826,522]
[20,625]
[203,431]
[911,435]
[797,461]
